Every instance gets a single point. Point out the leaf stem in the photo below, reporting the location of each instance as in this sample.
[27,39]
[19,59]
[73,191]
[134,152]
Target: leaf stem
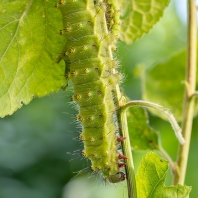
[188,108]
[167,157]
[161,109]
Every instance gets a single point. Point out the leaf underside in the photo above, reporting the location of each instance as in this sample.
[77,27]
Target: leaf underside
[142,136]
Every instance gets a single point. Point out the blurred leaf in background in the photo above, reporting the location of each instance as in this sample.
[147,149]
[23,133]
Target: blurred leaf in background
[33,149]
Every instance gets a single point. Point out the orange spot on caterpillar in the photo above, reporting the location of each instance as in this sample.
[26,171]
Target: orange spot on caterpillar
[80,25]
[89,94]
[79,118]
[71,50]
[73,73]
[100,116]
[98,167]
[84,47]
[91,118]
[77,96]
[96,69]
[111,22]
[89,22]
[120,139]
[117,37]
[101,138]
[67,75]
[94,46]
[61,32]
[114,48]
[99,92]
[94,155]
[67,29]
[150,141]
[62,2]
[86,71]
[81,137]
[121,165]
[120,156]
[65,53]
[84,154]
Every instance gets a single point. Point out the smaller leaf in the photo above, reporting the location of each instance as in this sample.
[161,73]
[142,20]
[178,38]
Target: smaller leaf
[151,177]
[142,136]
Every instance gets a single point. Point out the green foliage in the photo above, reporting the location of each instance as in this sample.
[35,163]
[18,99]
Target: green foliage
[166,80]
[28,68]
[28,52]
[142,136]
[140,16]
[151,177]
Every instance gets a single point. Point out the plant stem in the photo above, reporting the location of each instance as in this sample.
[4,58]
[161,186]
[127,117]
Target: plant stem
[126,147]
[126,144]
[188,108]
[163,110]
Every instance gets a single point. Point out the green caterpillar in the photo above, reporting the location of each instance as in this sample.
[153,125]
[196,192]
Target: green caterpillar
[91,29]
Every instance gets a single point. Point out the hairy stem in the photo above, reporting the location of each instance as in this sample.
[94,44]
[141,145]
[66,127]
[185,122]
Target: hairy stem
[188,108]
[163,110]
[126,147]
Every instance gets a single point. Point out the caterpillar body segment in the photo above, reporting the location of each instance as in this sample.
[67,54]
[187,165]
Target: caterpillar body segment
[92,29]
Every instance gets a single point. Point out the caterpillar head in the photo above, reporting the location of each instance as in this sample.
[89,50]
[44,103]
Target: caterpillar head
[118,177]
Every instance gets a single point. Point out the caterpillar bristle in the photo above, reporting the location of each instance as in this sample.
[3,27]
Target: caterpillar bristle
[92,30]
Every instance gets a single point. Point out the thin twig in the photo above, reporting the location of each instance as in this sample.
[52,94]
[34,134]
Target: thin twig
[163,110]
[167,157]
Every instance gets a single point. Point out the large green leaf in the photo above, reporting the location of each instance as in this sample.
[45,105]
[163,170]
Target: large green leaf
[164,84]
[151,177]
[142,136]
[29,46]
[140,16]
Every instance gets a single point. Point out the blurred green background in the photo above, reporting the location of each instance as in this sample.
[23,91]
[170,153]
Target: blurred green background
[39,148]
